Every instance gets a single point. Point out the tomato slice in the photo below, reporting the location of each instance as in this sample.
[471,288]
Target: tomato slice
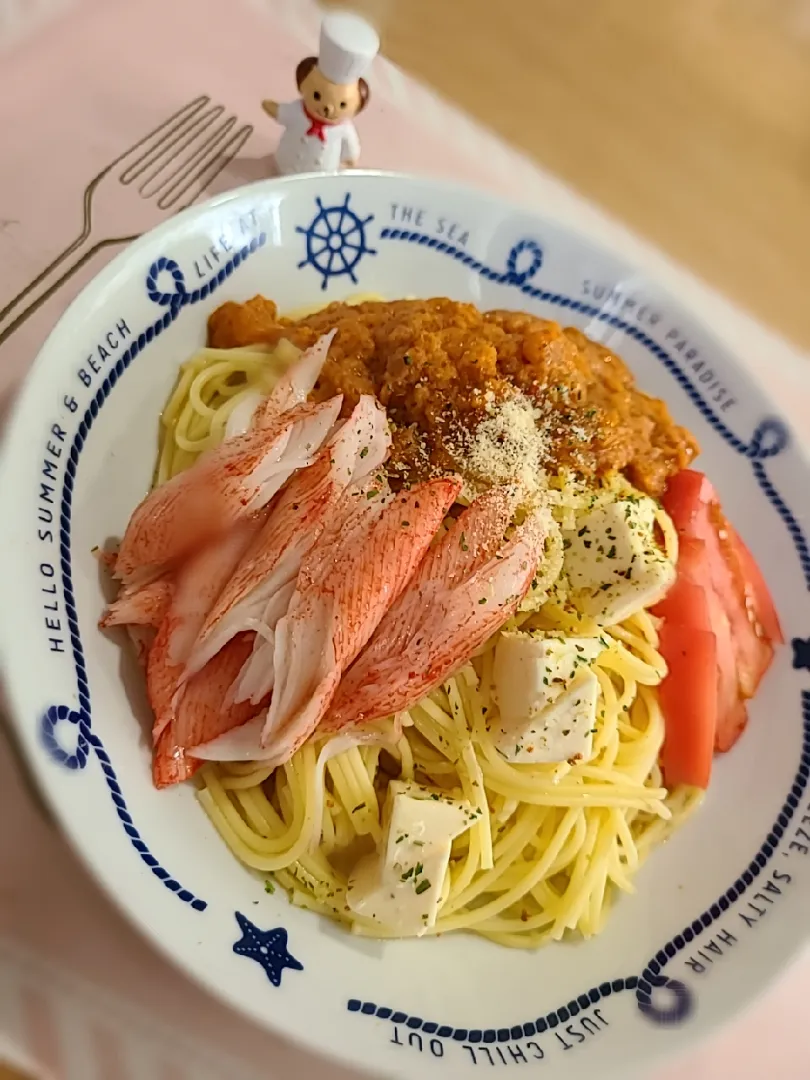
[686,603]
[754,652]
[684,499]
[732,714]
[745,624]
[688,697]
[692,604]
[692,563]
[733,724]
[759,600]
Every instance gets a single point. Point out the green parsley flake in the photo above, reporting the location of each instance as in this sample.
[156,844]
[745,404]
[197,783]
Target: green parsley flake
[423,886]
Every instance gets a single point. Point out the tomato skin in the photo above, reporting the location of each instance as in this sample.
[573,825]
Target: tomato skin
[688,697]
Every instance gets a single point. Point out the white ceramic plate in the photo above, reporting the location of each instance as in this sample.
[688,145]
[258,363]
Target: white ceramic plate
[719,910]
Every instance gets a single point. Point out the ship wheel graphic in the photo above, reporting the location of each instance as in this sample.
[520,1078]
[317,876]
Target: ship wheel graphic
[336,240]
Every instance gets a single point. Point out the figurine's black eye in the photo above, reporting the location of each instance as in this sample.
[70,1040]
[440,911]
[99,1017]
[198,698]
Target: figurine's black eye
[343,104]
[317,95]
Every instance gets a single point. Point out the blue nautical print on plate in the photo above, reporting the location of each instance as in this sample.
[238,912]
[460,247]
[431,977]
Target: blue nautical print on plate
[801,654]
[660,999]
[267,947]
[58,718]
[335,241]
[336,238]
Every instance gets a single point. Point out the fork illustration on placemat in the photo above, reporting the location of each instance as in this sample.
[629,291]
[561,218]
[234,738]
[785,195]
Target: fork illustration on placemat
[170,167]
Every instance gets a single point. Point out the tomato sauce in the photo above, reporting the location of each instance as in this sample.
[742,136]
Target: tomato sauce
[437,365]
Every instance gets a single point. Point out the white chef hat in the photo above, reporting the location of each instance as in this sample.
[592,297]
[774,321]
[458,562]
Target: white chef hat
[348,45]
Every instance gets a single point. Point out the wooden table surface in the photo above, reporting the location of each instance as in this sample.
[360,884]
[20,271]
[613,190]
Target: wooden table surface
[687,119]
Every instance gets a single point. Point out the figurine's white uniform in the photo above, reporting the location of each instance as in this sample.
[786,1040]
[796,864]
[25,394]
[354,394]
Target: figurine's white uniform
[299,151]
[348,46]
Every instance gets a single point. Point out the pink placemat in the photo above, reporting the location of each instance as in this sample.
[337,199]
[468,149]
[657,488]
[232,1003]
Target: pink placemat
[82,997]
[75,96]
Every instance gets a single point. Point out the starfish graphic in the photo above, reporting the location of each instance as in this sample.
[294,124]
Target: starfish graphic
[266,947]
[801,654]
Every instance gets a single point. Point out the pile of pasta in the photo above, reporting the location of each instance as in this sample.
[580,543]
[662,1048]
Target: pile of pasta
[550,845]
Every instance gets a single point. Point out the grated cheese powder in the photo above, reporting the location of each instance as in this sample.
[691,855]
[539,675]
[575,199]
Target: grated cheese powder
[508,447]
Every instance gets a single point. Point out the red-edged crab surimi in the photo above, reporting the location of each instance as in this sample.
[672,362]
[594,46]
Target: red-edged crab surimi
[362,560]
[467,587]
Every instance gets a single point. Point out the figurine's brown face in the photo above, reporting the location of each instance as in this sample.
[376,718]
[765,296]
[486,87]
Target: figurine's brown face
[330,101]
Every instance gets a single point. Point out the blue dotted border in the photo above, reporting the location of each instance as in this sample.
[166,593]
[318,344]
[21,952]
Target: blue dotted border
[769,439]
[520,280]
[679,1001]
[801,654]
[505,1034]
[174,301]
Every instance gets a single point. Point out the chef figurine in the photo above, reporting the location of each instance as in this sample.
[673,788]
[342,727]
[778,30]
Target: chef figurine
[319,135]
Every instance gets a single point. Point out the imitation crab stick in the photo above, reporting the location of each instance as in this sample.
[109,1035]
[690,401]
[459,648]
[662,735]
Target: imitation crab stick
[468,586]
[361,562]
[259,591]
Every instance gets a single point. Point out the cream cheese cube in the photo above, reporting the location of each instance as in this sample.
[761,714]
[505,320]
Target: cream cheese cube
[531,671]
[613,563]
[400,886]
[561,732]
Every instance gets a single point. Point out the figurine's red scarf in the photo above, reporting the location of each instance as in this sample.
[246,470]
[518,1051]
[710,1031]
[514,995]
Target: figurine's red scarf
[317,127]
